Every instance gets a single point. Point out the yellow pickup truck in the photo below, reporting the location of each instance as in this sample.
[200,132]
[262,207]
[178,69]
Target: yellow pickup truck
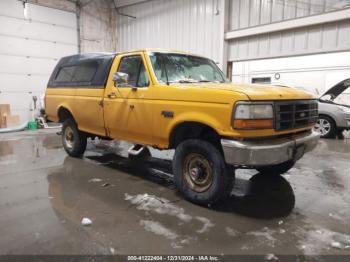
[174,100]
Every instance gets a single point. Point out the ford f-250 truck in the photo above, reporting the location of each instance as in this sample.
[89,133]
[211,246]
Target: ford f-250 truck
[173,100]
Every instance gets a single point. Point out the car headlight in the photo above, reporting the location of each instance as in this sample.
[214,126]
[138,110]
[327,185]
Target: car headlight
[253,116]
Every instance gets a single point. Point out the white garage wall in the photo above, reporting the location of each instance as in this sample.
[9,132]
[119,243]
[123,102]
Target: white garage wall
[29,49]
[315,73]
[189,25]
[292,38]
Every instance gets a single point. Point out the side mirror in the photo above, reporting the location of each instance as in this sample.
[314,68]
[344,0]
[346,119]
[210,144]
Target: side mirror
[120,78]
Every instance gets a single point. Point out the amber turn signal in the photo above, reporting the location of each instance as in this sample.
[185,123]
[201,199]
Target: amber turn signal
[253,124]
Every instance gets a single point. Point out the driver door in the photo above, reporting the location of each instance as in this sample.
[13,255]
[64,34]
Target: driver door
[128,106]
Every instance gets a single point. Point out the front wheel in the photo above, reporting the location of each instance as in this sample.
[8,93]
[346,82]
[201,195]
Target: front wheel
[276,169]
[73,140]
[200,172]
[326,127]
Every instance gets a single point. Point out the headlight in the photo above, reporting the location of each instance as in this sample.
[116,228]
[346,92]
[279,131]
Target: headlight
[253,116]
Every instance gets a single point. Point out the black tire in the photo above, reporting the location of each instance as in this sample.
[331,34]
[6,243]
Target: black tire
[276,169]
[73,140]
[208,158]
[329,132]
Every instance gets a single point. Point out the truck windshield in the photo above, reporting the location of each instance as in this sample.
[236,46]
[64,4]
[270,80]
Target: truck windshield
[181,68]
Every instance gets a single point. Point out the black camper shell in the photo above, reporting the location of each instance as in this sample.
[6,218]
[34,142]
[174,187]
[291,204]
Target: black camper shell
[82,70]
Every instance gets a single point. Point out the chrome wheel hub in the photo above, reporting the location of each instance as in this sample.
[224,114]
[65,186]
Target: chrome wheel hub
[197,172]
[323,126]
[69,137]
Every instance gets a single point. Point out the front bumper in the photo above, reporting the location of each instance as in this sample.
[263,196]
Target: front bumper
[268,152]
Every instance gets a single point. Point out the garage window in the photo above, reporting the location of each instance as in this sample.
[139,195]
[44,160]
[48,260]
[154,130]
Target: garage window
[261,80]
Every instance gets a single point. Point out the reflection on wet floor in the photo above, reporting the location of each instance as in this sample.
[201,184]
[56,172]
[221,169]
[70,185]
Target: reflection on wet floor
[5,149]
[260,196]
[135,209]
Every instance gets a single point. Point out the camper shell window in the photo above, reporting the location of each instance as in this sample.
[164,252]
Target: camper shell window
[88,70]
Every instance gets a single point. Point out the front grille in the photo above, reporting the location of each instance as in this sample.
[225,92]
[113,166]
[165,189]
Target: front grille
[295,114]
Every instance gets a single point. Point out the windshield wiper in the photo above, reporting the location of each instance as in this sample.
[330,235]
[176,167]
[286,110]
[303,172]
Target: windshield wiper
[188,81]
[196,81]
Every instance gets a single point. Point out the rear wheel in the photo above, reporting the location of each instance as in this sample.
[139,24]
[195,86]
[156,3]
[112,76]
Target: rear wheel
[276,169]
[326,127]
[73,140]
[200,172]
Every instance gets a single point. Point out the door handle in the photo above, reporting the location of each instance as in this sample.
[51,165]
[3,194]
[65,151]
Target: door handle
[112,95]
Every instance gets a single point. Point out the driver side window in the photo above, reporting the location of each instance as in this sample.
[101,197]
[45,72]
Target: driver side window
[134,67]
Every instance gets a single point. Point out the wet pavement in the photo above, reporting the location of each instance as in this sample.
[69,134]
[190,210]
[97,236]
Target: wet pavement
[135,209]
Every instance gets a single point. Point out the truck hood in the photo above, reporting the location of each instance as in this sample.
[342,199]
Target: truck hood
[259,92]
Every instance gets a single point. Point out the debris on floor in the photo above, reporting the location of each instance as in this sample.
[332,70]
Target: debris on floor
[231,232]
[95,180]
[271,257]
[207,224]
[282,231]
[86,221]
[336,245]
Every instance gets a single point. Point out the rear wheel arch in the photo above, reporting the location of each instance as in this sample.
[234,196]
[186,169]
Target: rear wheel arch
[64,114]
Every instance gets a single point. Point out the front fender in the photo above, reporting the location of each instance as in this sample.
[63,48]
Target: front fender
[197,117]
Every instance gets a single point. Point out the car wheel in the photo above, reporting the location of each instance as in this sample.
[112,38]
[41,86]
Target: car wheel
[73,140]
[200,172]
[326,127]
[276,169]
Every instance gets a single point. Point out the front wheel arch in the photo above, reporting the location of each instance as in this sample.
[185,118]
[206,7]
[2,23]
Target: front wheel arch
[194,130]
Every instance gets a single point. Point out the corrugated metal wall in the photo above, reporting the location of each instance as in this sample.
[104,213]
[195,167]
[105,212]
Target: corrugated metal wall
[314,39]
[188,25]
[321,38]
[248,13]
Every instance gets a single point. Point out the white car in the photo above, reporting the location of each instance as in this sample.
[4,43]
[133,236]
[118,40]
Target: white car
[334,115]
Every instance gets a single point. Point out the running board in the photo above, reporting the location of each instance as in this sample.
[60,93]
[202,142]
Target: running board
[135,150]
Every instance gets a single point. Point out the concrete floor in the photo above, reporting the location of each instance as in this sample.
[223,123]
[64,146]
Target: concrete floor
[44,194]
